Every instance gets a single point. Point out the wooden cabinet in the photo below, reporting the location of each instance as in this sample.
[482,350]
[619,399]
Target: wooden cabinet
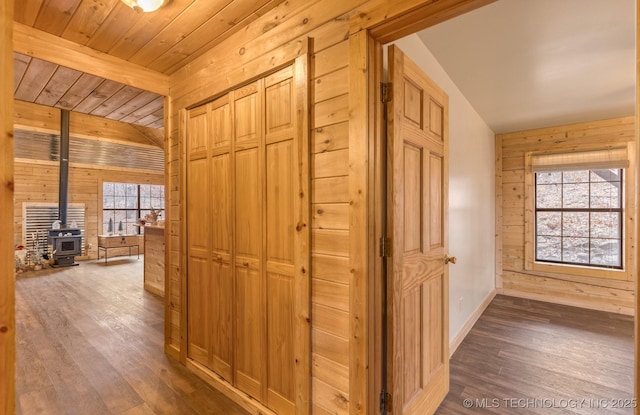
[248,239]
[154,259]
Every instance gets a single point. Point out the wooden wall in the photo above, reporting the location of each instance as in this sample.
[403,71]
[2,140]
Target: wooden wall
[329,171]
[330,235]
[513,279]
[330,190]
[38,182]
[7,280]
[340,130]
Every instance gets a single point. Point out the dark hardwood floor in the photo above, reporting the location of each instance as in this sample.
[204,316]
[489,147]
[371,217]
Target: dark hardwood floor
[531,357]
[90,341]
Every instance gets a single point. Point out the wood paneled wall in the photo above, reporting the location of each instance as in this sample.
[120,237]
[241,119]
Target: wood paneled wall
[513,279]
[341,124]
[330,236]
[331,274]
[38,182]
[7,280]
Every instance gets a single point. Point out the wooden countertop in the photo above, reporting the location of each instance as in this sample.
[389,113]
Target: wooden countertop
[153,227]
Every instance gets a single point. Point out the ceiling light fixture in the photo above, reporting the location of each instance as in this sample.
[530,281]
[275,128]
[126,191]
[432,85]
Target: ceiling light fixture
[145,5]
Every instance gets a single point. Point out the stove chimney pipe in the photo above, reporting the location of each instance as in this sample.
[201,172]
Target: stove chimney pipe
[63,200]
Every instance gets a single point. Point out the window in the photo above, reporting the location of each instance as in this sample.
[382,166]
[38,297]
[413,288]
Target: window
[577,205]
[127,203]
[579,217]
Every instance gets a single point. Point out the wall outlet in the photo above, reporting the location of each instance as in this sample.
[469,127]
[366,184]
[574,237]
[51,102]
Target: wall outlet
[460,301]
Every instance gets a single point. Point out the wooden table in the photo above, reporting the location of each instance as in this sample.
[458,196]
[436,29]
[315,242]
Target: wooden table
[106,242]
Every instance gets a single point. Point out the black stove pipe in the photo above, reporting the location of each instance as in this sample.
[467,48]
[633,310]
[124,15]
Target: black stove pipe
[63,198]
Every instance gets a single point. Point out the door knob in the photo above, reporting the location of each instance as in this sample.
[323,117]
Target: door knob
[448,259]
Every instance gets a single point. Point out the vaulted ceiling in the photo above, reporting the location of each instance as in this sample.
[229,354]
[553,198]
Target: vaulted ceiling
[162,41]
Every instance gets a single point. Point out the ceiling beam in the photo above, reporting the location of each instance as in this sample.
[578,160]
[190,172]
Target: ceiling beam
[42,45]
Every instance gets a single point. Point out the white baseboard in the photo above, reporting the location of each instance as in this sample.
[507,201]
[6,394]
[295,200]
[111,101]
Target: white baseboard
[455,343]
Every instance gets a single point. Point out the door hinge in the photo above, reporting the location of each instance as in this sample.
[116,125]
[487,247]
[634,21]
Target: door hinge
[385,247]
[385,91]
[385,401]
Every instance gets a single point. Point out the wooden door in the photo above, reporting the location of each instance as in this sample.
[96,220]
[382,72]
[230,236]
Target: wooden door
[250,368]
[220,294]
[418,364]
[210,283]
[281,174]
[198,240]
[248,239]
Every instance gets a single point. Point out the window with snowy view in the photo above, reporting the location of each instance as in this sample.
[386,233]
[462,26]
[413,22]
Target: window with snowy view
[579,217]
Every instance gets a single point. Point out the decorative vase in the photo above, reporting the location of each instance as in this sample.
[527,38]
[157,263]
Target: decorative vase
[110,227]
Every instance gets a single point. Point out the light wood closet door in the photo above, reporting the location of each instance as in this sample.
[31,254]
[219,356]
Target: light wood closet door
[220,296]
[248,239]
[210,281]
[198,240]
[250,342]
[280,195]
[418,279]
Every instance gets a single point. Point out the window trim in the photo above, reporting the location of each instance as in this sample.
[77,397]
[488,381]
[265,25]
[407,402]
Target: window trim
[530,263]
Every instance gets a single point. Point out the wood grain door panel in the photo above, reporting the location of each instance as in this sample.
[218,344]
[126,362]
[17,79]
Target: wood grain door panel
[250,342]
[199,344]
[280,195]
[248,279]
[198,241]
[418,288]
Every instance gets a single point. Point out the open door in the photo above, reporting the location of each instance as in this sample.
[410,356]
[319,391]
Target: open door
[417,278]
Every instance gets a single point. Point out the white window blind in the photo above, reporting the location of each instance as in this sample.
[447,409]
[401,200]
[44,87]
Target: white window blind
[40,217]
[610,158]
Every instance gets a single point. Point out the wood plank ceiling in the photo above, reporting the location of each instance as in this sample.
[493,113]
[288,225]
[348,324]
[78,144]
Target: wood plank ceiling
[45,83]
[163,41]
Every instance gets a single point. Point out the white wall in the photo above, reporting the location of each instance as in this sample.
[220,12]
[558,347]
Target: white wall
[471,194]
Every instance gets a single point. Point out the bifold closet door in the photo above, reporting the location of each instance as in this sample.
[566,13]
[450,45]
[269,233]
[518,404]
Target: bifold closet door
[221,294]
[281,177]
[250,364]
[210,279]
[198,240]
[248,239]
